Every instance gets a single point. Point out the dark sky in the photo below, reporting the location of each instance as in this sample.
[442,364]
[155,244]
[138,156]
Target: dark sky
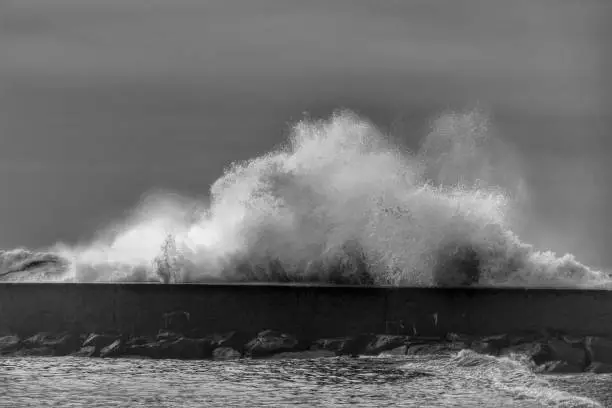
[102,101]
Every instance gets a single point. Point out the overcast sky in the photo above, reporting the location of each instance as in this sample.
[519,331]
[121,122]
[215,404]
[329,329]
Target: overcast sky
[102,101]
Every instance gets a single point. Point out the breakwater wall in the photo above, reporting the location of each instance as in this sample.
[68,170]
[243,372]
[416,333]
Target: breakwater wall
[306,310]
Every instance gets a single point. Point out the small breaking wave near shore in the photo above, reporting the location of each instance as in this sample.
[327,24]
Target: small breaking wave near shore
[338,203]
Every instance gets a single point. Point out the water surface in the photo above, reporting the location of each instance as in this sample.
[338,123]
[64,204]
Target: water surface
[465,380]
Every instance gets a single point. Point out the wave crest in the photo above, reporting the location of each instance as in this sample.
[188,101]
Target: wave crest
[339,203]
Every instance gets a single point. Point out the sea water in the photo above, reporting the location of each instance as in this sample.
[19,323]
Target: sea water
[465,379]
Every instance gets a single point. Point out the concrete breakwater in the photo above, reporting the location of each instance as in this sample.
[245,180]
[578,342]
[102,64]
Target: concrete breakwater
[308,311]
[557,330]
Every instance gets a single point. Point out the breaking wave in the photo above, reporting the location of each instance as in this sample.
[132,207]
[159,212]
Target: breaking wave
[338,203]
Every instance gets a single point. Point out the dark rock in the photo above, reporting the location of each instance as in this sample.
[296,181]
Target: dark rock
[459,338]
[61,344]
[599,368]
[538,352]
[36,340]
[561,367]
[150,350]
[499,341]
[302,355]
[137,341]
[115,349]
[369,344]
[356,346]
[434,349]
[9,344]
[89,351]
[553,350]
[517,339]
[575,341]
[384,342]
[177,321]
[574,355]
[426,339]
[100,341]
[234,339]
[398,351]
[599,349]
[335,344]
[186,348]
[225,353]
[549,333]
[181,348]
[482,347]
[491,345]
[270,342]
[168,336]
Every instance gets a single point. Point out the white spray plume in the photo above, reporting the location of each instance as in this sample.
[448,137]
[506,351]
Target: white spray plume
[339,203]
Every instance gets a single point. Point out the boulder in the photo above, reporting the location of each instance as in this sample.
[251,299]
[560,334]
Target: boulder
[100,341]
[538,352]
[9,344]
[164,335]
[225,353]
[434,349]
[560,367]
[334,344]
[483,347]
[549,333]
[491,345]
[384,342]
[270,342]
[181,348]
[303,355]
[599,368]
[358,345]
[89,351]
[149,350]
[599,349]
[234,339]
[398,351]
[551,351]
[575,341]
[137,341]
[459,338]
[355,346]
[114,349]
[572,353]
[60,344]
[523,338]
[186,348]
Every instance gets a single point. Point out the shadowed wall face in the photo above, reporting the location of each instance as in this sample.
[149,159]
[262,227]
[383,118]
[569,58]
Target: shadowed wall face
[307,311]
[101,102]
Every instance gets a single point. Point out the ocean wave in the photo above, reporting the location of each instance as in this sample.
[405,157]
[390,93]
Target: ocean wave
[337,203]
[513,377]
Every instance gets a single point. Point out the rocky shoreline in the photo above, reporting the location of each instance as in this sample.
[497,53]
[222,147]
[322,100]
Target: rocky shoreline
[545,351]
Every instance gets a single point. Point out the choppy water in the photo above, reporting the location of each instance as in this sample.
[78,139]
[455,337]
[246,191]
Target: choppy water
[466,380]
